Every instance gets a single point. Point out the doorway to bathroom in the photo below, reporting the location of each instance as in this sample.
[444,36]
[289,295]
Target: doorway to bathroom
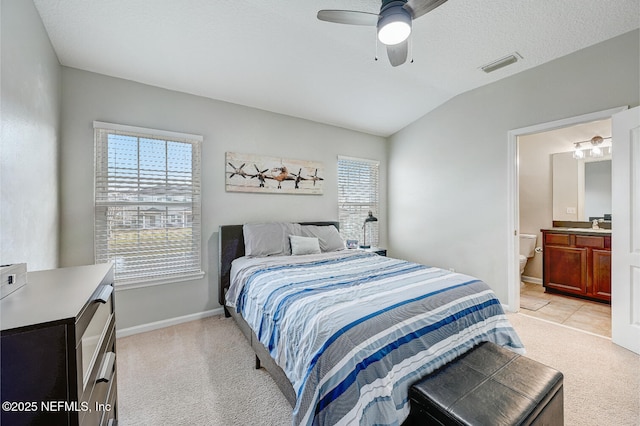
[533,150]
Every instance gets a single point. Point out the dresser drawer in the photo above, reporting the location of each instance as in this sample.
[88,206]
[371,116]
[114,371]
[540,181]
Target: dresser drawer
[102,375]
[110,415]
[103,408]
[92,330]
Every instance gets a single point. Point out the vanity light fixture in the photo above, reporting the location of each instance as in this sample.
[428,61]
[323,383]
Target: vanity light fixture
[596,150]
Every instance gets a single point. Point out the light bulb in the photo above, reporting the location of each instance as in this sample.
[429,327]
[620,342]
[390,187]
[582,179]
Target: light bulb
[578,154]
[394,33]
[596,151]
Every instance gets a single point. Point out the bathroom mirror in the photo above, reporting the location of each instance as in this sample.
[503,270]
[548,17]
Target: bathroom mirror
[581,188]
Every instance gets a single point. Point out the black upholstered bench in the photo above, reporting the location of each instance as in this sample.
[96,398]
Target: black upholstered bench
[488,385]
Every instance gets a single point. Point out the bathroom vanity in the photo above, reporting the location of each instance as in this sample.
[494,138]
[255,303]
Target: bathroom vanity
[577,261]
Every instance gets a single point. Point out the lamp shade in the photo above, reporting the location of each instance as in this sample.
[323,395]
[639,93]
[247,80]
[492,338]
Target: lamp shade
[371,218]
[578,153]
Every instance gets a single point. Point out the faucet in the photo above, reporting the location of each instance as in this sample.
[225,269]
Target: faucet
[595,224]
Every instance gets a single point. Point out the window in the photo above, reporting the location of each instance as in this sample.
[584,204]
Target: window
[357,196]
[147,203]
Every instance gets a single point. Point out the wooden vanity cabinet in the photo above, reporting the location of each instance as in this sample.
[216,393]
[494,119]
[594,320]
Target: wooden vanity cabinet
[601,274]
[577,264]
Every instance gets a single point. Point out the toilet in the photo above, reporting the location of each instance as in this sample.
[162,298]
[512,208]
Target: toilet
[527,249]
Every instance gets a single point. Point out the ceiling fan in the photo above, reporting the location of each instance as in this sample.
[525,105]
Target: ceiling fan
[393,23]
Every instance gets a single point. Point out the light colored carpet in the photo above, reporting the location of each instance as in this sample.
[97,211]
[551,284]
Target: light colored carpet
[202,373]
[197,373]
[532,303]
[601,380]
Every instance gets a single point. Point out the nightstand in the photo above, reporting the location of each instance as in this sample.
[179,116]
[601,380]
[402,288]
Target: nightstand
[377,250]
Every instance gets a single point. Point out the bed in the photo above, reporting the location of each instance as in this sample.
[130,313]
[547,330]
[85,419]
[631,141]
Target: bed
[344,333]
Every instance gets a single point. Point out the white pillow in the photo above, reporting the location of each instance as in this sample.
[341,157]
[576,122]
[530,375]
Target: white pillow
[329,237]
[268,239]
[304,245]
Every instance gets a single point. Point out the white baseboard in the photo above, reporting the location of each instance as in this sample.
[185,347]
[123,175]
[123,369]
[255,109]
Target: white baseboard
[531,279]
[167,322]
[506,308]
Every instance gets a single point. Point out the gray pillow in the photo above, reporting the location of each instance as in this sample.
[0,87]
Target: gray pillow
[328,236]
[304,245]
[267,239]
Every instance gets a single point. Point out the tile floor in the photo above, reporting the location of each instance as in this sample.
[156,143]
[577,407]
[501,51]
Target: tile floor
[573,312]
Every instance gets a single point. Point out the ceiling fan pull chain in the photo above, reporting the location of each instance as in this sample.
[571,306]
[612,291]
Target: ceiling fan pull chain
[411,48]
[376,55]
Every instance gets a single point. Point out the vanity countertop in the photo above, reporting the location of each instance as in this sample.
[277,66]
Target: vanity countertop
[582,231]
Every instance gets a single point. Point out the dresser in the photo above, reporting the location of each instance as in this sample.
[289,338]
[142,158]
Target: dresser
[58,349]
[577,262]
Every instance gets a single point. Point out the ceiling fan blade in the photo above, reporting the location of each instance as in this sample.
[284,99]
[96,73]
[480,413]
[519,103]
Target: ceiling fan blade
[398,53]
[351,17]
[420,7]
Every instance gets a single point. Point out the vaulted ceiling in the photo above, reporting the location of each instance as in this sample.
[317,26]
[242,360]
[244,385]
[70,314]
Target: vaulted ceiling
[277,56]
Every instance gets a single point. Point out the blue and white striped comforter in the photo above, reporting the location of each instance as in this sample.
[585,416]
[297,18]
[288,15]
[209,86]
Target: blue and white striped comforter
[353,330]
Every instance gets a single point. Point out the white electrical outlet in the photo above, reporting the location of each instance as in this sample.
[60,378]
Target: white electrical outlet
[571,210]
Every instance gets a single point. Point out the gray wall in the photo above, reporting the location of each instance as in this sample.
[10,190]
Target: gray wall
[447,175]
[448,171]
[30,92]
[225,127]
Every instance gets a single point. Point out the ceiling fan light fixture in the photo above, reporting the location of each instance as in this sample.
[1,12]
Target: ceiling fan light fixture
[394,24]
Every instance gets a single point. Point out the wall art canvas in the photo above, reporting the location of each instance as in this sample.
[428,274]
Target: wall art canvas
[258,173]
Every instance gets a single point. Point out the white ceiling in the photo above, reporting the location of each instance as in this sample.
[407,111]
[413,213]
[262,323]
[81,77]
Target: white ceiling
[276,56]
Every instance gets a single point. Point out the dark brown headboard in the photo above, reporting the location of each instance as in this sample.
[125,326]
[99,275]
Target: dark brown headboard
[231,247]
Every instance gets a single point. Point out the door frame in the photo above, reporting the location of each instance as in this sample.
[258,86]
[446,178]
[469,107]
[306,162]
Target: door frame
[513,197]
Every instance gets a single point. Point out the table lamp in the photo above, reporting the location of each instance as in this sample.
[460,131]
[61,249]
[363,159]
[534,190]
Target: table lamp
[370,218]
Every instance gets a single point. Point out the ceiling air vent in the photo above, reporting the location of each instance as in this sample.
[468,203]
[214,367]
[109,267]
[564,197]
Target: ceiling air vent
[502,62]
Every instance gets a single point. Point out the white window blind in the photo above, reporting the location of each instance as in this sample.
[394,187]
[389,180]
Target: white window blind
[357,196]
[147,203]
